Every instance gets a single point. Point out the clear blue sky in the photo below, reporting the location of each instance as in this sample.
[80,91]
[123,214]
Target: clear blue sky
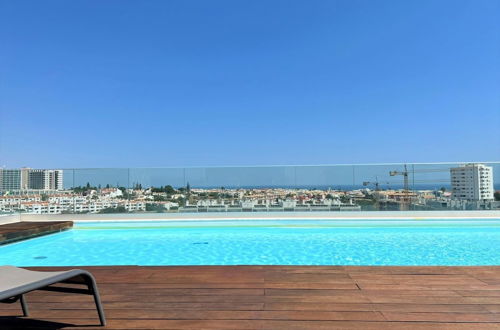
[172,83]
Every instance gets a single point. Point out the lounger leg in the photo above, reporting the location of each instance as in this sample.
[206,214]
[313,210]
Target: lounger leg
[97,299]
[24,305]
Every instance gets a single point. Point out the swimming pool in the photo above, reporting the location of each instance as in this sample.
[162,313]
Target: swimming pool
[267,242]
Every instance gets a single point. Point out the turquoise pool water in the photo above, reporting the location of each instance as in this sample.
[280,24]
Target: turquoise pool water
[269,242]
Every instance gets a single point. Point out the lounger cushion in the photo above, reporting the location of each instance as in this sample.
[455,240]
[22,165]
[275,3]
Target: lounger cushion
[15,281]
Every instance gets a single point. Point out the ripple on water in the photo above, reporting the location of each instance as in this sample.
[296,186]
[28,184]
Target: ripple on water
[261,246]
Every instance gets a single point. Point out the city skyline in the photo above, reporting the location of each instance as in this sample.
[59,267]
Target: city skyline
[472,188]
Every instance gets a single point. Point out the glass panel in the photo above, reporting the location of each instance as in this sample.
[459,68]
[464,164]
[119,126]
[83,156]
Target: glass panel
[378,177]
[103,190]
[157,177]
[247,177]
[101,177]
[260,188]
[325,177]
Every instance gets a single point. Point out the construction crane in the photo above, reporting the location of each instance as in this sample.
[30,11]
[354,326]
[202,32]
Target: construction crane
[405,176]
[376,184]
[405,173]
[406,189]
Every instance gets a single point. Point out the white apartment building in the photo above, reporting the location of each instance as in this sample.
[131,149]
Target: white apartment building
[57,205]
[41,208]
[472,182]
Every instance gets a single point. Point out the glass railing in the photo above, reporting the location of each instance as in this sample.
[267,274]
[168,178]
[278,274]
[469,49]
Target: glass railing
[328,188]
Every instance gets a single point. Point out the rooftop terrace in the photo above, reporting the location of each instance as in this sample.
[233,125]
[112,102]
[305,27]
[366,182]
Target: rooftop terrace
[274,297]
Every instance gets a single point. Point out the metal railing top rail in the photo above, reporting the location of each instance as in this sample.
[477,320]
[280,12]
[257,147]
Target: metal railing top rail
[265,166]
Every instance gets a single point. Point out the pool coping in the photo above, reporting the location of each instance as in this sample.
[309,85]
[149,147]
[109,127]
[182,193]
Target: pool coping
[232,216]
[20,231]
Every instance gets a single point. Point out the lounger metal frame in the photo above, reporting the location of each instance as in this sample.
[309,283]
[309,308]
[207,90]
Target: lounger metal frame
[75,276]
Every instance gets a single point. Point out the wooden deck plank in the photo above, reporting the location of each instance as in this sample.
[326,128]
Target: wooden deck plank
[274,297]
[255,324]
[423,308]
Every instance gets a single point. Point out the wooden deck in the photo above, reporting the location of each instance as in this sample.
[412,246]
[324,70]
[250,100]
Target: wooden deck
[23,230]
[273,297]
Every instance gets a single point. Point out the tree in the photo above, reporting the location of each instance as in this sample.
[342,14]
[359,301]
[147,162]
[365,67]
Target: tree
[152,207]
[169,190]
[443,189]
[344,199]
[84,189]
[119,209]
[181,201]
[497,195]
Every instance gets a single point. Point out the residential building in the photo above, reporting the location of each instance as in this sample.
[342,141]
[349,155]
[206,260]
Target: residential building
[472,182]
[45,179]
[30,179]
[13,179]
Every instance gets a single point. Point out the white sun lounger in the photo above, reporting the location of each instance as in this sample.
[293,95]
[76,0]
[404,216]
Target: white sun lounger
[15,282]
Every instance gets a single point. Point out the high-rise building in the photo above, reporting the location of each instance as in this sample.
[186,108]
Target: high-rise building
[472,182]
[24,177]
[28,178]
[10,179]
[45,179]
[36,179]
[53,179]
